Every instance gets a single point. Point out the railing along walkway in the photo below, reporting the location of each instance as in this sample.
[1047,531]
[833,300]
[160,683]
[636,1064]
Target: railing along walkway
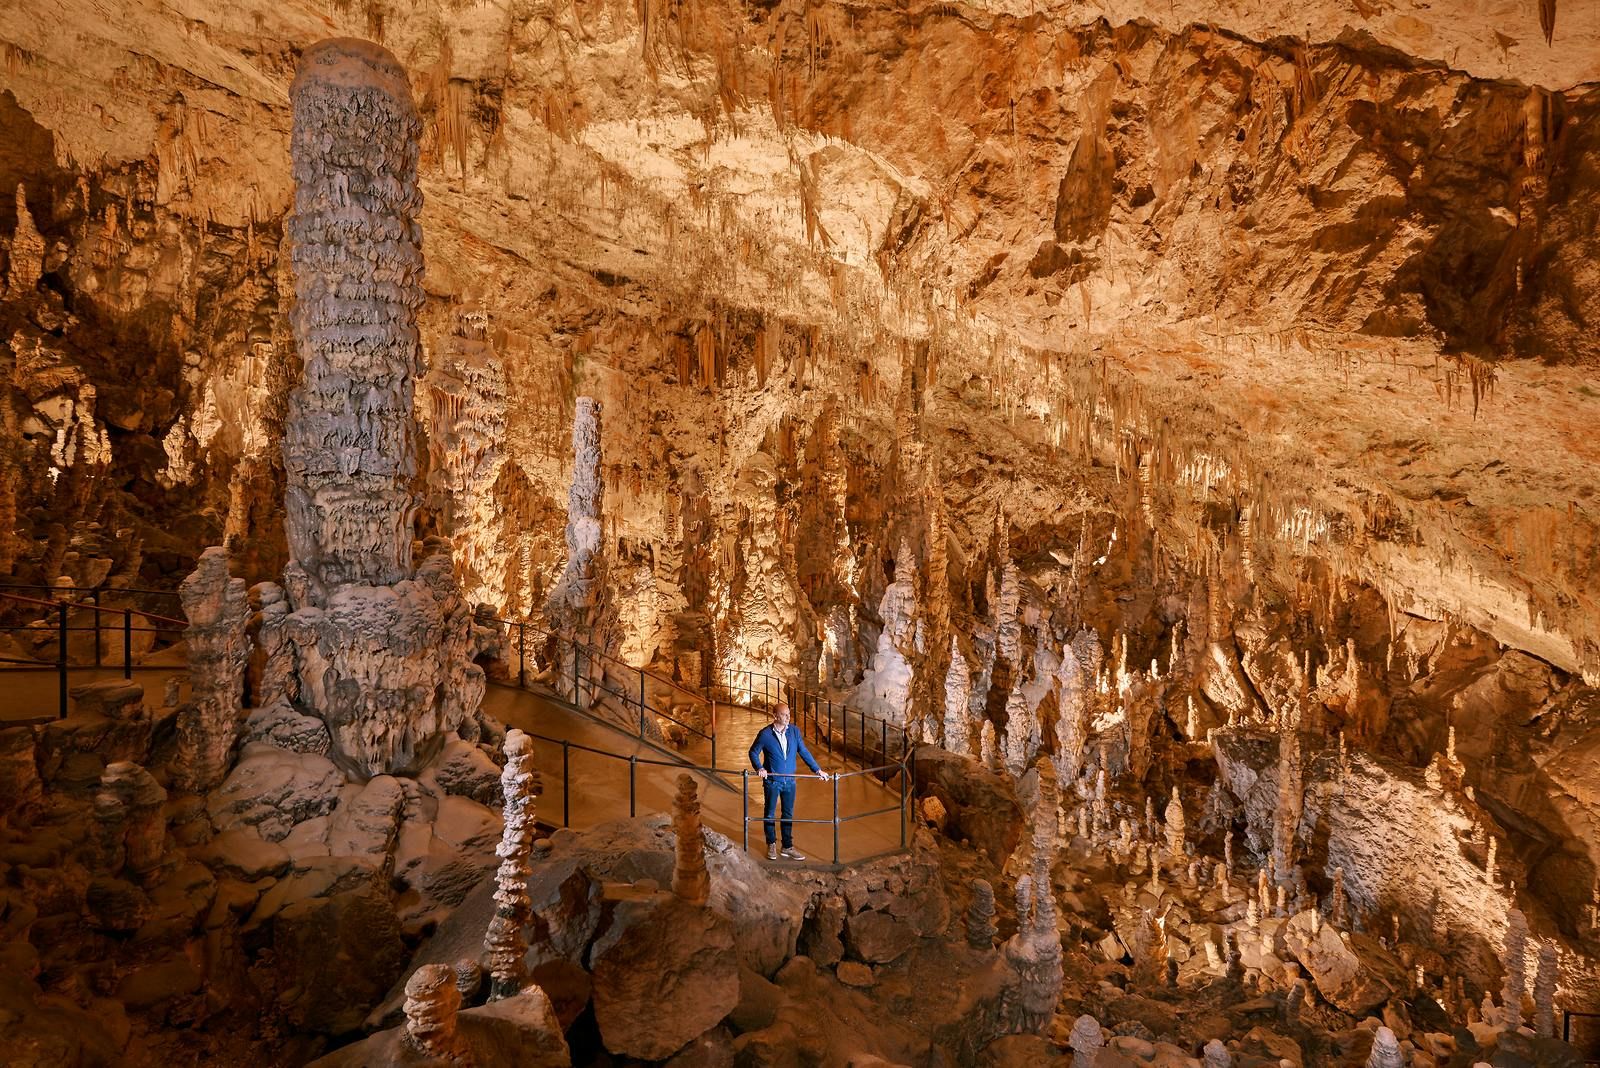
[594,772]
[89,639]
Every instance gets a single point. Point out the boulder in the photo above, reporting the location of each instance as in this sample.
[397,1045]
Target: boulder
[273,789]
[465,770]
[280,724]
[516,1032]
[1332,965]
[335,959]
[854,973]
[664,971]
[979,805]
[243,854]
[112,698]
[878,937]
[366,822]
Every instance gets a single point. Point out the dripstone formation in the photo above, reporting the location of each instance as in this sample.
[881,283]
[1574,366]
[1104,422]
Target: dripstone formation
[383,648]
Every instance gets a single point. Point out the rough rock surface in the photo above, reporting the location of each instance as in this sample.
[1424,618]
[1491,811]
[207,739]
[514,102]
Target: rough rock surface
[383,649]
[665,971]
[273,789]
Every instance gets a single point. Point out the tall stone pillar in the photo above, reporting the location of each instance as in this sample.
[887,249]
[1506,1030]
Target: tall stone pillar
[385,648]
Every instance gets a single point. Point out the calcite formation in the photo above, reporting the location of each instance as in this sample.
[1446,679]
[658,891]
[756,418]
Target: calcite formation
[383,648]
[432,1002]
[690,880]
[504,942]
[576,603]
[217,608]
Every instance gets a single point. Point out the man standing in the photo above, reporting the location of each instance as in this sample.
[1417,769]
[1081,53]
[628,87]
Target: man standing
[773,756]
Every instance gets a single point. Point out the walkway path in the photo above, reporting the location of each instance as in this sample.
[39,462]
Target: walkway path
[596,786]
[33,693]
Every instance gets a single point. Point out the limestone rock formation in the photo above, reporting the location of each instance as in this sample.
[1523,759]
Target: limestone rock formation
[432,1002]
[690,880]
[208,726]
[576,604]
[664,972]
[383,648]
[504,942]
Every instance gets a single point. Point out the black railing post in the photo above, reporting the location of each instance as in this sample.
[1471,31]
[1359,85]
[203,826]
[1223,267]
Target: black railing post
[522,655]
[61,660]
[127,643]
[641,704]
[566,783]
[830,726]
[713,738]
[836,819]
[577,696]
[902,812]
[94,612]
[744,806]
[633,766]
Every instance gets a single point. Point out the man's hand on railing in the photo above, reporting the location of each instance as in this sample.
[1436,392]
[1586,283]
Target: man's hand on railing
[761,772]
[824,776]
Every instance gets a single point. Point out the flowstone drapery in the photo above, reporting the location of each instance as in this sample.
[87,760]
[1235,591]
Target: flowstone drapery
[385,649]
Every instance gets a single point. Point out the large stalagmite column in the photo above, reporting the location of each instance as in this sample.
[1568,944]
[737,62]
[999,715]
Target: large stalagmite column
[357,258]
[385,648]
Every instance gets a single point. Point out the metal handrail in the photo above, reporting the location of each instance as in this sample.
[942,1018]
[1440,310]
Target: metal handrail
[87,589]
[91,605]
[641,700]
[62,629]
[634,761]
[800,700]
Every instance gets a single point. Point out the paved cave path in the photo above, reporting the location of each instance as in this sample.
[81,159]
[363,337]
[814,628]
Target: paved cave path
[597,786]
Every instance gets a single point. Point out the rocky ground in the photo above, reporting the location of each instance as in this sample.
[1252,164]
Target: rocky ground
[281,917]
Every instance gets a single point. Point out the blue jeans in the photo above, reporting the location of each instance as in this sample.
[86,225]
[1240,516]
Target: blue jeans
[779,791]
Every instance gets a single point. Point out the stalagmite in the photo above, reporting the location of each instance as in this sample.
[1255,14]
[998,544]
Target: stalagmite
[574,605]
[386,658]
[957,694]
[1216,1055]
[1086,1042]
[690,880]
[980,916]
[1385,1050]
[1516,984]
[1176,846]
[431,1004]
[504,942]
[1286,817]
[217,608]
[1544,990]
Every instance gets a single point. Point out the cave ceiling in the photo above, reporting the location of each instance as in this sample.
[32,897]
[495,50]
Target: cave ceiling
[1342,257]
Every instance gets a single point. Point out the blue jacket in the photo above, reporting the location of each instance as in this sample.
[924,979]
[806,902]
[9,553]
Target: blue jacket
[777,762]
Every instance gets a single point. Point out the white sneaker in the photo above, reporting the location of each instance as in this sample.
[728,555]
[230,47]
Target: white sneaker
[793,854]
[772,850]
